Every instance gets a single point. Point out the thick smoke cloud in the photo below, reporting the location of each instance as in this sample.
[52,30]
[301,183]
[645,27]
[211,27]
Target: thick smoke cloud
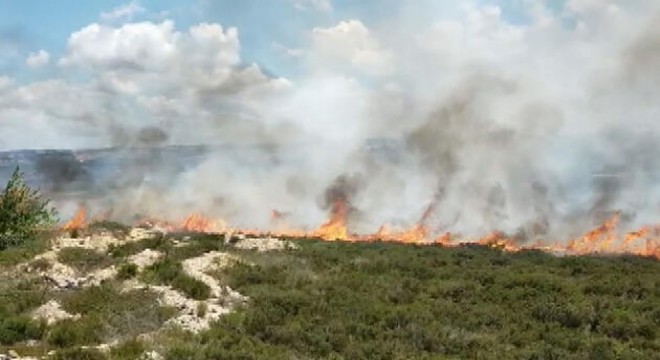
[539,126]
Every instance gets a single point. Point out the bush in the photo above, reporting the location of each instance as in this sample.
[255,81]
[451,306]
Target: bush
[118,315]
[19,328]
[157,242]
[79,354]
[128,350]
[170,272]
[23,212]
[83,259]
[127,271]
[68,333]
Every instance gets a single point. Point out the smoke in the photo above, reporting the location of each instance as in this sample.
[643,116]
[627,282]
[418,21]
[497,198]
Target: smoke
[539,126]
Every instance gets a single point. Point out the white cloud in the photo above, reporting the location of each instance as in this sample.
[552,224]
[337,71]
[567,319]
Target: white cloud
[351,42]
[124,12]
[319,5]
[5,82]
[288,52]
[139,75]
[38,59]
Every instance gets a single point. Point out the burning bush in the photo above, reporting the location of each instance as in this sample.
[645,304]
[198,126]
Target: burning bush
[23,212]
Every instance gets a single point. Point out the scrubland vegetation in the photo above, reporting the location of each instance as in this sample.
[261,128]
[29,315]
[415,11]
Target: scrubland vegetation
[368,301]
[332,300]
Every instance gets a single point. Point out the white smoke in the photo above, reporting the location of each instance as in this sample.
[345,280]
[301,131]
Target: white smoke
[537,123]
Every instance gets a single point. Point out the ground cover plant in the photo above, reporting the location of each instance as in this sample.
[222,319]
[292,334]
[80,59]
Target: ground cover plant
[393,301]
[338,300]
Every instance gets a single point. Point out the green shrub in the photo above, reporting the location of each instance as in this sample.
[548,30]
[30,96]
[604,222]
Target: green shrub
[68,333]
[82,259]
[19,295]
[131,248]
[14,329]
[23,212]
[127,271]
[391,301]
[112,226]
[79,354]
[170,272]
[202,309]
[121,315]
[129,350]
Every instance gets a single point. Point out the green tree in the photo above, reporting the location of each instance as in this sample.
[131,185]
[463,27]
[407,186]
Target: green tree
[23,212]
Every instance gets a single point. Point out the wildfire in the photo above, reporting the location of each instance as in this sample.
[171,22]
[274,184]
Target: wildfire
[498,240]
[77,221]
[604,239]
[198,223]
[596,240]
[335,227]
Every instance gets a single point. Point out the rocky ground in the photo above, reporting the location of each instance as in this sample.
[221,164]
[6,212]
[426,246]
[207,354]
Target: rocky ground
[191,315]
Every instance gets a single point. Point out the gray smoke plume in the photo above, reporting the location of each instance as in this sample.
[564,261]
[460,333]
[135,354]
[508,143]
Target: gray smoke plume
[470,123]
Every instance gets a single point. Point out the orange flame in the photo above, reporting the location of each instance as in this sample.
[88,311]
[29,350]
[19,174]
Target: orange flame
[199,223]
[78,220]
[335,227]
[596,240]
[604,239]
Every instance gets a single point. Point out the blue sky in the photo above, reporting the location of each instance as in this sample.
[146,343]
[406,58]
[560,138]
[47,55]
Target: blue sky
[31,25]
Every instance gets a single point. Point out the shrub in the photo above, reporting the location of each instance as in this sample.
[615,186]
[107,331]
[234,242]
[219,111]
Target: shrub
[128,350]
[23,212]
[170,272]
[202,309]
[131,248]
[83,259]
[127,271]
[121,315]
[79,354]
[68,333]
[112,226]
[19,328]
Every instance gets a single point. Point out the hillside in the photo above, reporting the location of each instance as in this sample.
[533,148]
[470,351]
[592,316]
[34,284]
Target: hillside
[113,292]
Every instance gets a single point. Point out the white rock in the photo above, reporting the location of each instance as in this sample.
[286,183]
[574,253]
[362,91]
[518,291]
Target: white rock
[145,258]
[52,312]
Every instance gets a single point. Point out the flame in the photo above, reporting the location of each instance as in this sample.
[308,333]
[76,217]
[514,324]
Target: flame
[596,240]
[335,227]
[498,240]
[604,239]
[199,223]
[78,220]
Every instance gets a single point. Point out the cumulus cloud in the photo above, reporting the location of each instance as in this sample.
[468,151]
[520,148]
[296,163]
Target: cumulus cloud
[140,75]
[38,59]
[351,42]
[124,12]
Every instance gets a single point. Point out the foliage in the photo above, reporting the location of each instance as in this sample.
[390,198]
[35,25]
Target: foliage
[109,314]
[170,272]
[20,295]
[82,259]
[79,354]
[127,271]
[19,328]
[129,350]
[134,247]
[23,212]
[393,301]
[68,333]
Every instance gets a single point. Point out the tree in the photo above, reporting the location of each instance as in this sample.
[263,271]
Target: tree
[23,212]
